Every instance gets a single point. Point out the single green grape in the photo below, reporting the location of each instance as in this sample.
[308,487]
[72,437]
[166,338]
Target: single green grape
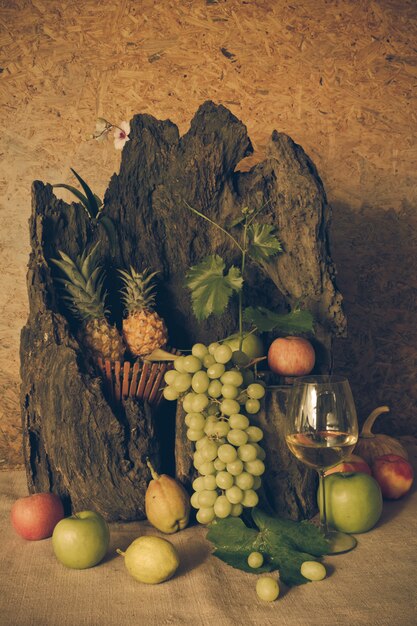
[245,481]
[208,360]
[170,393]
[227,453]
[192,364]
[237,437]
[234,494]
[255,391]
[313,570]
[259,451]
[212,347]
[196,421]
[179,364]
[194,435]
[257,482]
[207,498]
[240,358]
[187,401]
[195,499]
[221,429]
[237,510]
[207,468]
[224,480]
[201,443]
[232,377]
[248,376]
[209,482]
[230,392]
[200,382]
[267,589]
[199,350]
[229,407]
[198,459]
[222,507]
[255,560]
[247,452]
[170,376]
[256,467]
[200,402]
[223,354]
[237,420]
[182,382]
[199,483]
[235,467]
[209,452]
[219,465]
[214,389]
[252,406]
[215,371]
[206,515]
[250,498]
[254,434]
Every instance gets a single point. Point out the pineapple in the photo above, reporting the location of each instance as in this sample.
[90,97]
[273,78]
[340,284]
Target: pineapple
[83,294]
[143,329]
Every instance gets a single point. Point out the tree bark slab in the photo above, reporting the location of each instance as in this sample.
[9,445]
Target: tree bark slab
[75,442]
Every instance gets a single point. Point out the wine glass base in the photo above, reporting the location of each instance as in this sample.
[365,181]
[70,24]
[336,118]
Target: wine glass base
[340,542]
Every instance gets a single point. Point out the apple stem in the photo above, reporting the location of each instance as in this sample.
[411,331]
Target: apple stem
[369,422]
[120,552]
[154,474]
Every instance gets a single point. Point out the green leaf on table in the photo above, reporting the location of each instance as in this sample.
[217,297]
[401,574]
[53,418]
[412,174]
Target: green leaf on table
[211,288]
[285,544]
[263,242]
[239,560]
[265,320]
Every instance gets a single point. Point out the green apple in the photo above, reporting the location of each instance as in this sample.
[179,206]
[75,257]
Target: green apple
[252,345]
[82,540]
[353,501]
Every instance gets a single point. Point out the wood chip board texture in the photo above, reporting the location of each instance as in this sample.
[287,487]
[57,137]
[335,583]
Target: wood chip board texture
[338,76]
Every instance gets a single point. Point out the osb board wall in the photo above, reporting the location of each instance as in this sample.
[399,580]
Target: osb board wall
[338,76]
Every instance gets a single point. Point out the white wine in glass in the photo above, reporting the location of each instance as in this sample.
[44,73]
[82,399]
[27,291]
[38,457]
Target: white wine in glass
[322,430]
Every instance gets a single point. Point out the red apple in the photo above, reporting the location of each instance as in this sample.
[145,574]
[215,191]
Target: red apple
[353,463]
[35,517]
[291,356]
[394,475]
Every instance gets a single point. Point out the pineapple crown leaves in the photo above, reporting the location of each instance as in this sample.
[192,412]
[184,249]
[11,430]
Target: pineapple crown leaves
[210,287]
[139,289]
[83,287]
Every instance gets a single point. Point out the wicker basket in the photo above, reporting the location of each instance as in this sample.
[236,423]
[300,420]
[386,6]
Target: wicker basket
[141,379]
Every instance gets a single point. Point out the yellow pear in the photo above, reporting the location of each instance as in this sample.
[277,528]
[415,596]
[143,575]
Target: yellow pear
[167,504]
[151,560]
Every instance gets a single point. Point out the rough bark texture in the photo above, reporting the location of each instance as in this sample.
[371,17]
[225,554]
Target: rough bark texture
[75,443]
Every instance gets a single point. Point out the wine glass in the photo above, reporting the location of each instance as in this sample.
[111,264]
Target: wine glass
[321,430]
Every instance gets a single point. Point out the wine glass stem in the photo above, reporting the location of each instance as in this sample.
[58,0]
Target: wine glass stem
[323,518]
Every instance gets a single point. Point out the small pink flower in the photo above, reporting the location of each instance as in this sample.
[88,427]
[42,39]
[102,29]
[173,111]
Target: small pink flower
[121,135]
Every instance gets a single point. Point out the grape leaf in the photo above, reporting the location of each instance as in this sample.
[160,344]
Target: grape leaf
[263,242]
[239,560]
[210,287]
[297,321]
[285,544]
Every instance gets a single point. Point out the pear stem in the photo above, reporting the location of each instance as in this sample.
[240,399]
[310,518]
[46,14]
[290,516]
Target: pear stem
[154,474]
[120,552]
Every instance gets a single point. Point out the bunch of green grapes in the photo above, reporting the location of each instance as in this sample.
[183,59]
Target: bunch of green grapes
[218,392]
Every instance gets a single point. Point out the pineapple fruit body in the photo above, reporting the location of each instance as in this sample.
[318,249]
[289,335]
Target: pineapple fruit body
[102,340]
[144,331]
